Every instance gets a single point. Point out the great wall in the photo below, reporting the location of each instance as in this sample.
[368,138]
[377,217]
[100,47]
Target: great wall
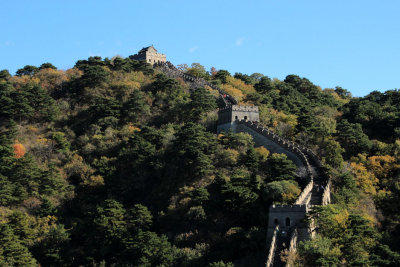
[287,224]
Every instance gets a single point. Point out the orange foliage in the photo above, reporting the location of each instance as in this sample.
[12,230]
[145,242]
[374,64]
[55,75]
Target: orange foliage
[20,81]
[133,129]
[19,151]
[51,79]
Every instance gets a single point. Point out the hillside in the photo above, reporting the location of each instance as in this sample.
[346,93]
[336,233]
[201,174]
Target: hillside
[113,163]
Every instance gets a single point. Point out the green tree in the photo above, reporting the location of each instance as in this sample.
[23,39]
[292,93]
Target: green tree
[194,146]
[283,192]
[352,138]
[279,167]
[4,75]
[221,264]
[139,218]
[136,109]
[201,102]
[12,251]
[222,75]
[265,85]
[320,251]
[149,249]
[52,249]
[27,70]
[94,75]
[47,65]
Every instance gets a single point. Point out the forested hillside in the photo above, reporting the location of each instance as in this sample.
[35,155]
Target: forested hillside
[112,163]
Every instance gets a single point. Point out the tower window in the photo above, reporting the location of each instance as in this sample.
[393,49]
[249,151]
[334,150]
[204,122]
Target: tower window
[287,221]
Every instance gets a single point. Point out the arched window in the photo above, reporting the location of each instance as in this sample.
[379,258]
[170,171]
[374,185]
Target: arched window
[236,117]
[276,221]
[245,117]
[288,222]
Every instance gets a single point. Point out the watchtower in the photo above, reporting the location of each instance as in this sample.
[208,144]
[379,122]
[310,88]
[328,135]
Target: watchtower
[227,116]
[150,55]
[236,112]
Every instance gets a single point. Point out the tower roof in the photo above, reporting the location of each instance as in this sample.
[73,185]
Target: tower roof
[145,49]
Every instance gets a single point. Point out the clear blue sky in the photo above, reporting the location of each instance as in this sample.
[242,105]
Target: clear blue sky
[350,43]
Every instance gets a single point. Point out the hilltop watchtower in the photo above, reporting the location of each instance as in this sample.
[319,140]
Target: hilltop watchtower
[150,55]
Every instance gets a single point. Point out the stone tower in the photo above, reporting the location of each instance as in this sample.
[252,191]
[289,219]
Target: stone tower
[150,55]
[230,114]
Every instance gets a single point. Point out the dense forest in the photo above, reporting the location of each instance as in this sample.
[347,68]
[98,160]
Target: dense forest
[112,163]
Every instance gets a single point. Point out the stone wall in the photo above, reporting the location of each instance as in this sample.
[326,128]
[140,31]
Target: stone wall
[305,195]
[326,196]
[272,247]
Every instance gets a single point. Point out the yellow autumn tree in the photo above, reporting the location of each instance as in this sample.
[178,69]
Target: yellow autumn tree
[364,179]
[262,153]
[383,167]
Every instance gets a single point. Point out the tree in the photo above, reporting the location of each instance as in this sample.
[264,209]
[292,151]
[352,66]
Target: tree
[352,138]
[93,75]
[201,103]
[27,70]
[220,264]
[244,77]
[12,251]
[47,66]
[283,192]
[200,196]
[139,218]
[342,92]
[280,168]
[251,159]
[320,251]
[239,193]
[135,109]
[4,75]
[222,75]
[109,228]
[265,85]
[197,70]
[52,248]
[148,249]
[19,150]
[193,147]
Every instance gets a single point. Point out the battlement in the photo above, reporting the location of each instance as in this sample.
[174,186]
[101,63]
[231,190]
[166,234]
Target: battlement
[288,208]
[239,108]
